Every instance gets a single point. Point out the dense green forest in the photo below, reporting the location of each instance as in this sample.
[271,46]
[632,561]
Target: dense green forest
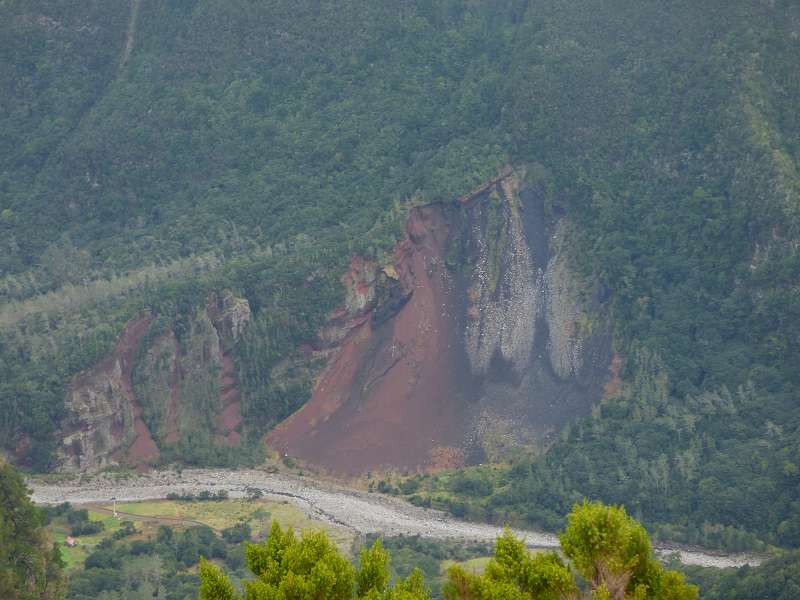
[679,160]
[778,578]
[153,152]
[30,564]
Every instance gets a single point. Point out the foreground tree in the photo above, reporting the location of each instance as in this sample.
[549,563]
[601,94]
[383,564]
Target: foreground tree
[513,574]
[30,565]
[612,552]
[608,549]
[310,567]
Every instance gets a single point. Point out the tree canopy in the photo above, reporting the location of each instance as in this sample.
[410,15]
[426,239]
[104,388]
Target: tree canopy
[287,567]
[607,555]
[30,565]
[148,157]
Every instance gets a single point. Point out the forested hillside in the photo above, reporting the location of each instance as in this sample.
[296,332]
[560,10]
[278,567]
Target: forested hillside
[30,564]
[679,159]
[244,145]
[157,158]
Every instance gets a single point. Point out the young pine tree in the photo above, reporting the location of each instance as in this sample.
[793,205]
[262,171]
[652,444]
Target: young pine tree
[310,567]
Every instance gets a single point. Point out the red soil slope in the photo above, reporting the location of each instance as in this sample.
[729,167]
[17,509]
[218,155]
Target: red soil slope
[143,449]
[387,397]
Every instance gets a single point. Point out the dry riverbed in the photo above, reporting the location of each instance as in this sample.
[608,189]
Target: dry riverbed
[361,512]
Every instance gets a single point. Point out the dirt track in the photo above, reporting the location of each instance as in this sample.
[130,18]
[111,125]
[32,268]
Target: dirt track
[361,512]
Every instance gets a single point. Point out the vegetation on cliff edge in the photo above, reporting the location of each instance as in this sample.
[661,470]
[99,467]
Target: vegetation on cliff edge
[255,146]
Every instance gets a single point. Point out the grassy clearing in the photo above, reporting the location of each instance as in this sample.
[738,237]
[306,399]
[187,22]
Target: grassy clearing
[218,515]
[226,513]
[74,557]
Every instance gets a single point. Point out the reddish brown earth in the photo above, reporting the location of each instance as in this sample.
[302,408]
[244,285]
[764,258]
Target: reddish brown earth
[144,448]
[388,396]
[614,380]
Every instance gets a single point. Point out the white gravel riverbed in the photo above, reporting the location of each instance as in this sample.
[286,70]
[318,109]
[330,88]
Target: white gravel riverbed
[362,512]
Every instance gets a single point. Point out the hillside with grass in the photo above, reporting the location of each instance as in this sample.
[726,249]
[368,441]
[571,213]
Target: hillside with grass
[207,206]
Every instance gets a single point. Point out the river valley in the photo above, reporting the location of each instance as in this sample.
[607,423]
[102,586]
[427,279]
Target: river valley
[356,510]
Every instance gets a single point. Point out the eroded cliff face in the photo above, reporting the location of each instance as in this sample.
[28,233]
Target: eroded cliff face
[482,341]
[501,281]
[391,393]
[535,332]
[160,383]
[105,424]
[475,341]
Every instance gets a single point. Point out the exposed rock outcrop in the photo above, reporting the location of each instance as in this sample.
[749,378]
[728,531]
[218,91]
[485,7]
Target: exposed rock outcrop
[360,283]
[555,367]
[105,424]
[229,314]
[504,286]
[567,319]
[157,386]
[360,289]
[481,340]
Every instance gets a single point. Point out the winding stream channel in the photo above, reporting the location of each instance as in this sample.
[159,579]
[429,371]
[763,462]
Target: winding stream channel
[359,511]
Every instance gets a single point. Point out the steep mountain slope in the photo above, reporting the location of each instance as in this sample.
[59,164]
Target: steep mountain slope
[155,389]
[683,170]
[476,350]
[242,146]
[157,158]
